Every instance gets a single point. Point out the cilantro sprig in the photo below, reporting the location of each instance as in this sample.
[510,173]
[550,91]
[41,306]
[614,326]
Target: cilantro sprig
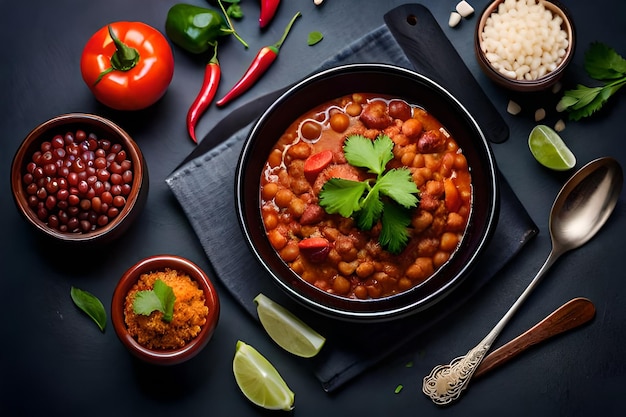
[160,298]
[387,198]
[602,63]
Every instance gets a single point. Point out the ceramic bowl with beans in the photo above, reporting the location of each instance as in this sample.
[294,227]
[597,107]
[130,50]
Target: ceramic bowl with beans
[524,45]
[79,178]
[329,262]
[152,340]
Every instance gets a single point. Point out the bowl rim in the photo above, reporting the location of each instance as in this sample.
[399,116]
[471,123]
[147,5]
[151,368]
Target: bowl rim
[140,172]
[333,310]
[540,83]
[156,263]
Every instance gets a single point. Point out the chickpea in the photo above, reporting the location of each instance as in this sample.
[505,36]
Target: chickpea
[347,268]
[418,162]
[407,158]
[412,128]
[365,269]
[283,197]
[276,238]
[297,266]
[339,122]
[296,207]
[455,222]
[422,221]
[421,269]
[360,292]
[354,109]
[290,252]
[440,258]
[341,285]
[275,158]
[404,284]
[270,220]
[449,241]
[432,162]
[311,130]
[269,191]
[460,162]
[300,150]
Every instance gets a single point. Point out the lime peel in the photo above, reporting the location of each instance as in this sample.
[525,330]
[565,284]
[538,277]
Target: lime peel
[259,380]
[549,149]
[287,330]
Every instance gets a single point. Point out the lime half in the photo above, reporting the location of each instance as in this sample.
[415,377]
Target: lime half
[259,381]
[287,330]
[549,149]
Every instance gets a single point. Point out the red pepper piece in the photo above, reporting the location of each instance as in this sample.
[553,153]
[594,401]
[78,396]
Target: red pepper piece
[268,10]
[263,60]
[316,163]
[212,74]
[315,249]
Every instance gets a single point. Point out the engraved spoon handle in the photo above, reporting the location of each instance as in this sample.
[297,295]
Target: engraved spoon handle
[445,383]
[570,315]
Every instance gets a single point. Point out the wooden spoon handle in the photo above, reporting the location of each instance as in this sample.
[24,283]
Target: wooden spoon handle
[570,315]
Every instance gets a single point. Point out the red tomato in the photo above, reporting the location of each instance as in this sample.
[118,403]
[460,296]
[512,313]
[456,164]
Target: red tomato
[123,79]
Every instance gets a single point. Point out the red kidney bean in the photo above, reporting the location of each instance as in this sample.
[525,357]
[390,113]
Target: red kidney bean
[76,182]
[316,249]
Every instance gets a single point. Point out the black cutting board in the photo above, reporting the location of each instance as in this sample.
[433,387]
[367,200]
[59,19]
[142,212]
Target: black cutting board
[431,53]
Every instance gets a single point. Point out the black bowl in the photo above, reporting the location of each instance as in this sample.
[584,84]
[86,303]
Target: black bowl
[391,81]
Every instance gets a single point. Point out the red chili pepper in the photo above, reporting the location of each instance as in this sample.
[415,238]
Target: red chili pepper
[261,62]
[212,73]
[268,10]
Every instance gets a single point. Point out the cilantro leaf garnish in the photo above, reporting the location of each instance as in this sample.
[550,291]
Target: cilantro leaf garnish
[160,298]
[365,153]
[388,198]
[394,234]
[601,63]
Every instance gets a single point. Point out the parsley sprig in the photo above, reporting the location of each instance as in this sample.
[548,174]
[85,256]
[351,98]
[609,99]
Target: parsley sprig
[602,63]
[387,198]
[160,298]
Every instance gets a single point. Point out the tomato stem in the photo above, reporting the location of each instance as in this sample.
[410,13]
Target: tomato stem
[123,59]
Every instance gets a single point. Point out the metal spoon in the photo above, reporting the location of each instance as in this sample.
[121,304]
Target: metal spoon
[580,209]
[570,315]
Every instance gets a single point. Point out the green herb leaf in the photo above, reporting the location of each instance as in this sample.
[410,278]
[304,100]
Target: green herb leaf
[603,63]
[91,305]
[388,200]
[371,210]
[365,153]
[314,37]
[160,298]
[398,389]
[342,196]
[394,234]
[399,185]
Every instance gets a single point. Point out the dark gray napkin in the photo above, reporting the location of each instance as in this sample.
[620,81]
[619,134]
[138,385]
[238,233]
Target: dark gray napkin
[204,186]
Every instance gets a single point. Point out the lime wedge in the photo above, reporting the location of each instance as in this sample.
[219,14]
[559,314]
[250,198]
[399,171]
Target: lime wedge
[288,331]
[549,149]
[259,381]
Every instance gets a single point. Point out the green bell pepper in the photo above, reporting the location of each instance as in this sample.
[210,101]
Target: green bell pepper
[196,29]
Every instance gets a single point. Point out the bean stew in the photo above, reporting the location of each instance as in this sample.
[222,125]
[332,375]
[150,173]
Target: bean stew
[330,251]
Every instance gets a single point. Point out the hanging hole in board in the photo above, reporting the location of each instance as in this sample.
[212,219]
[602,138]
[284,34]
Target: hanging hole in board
[411,19]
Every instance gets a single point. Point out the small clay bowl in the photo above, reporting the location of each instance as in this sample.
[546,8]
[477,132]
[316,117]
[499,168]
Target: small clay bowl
[104,129]
[540,83]
[169,356]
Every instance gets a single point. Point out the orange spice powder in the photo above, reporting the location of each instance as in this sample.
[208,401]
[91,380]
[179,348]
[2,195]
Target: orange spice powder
[190,312]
